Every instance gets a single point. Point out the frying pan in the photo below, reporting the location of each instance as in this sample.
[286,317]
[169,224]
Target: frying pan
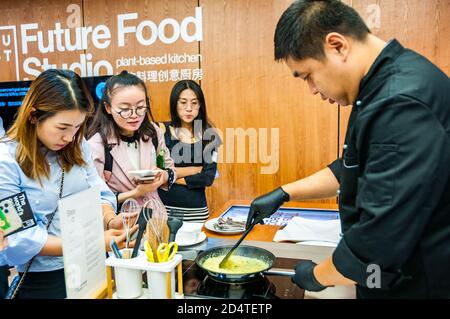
[246,251]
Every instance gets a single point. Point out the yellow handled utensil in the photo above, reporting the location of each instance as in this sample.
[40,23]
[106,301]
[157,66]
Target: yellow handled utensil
[166,251]
[149,252]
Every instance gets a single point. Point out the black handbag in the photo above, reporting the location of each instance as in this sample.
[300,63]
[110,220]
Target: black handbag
[18,280]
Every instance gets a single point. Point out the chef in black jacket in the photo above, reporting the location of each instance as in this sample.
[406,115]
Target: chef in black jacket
[393,179]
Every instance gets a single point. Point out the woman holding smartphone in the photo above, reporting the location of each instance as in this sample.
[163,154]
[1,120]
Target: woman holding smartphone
[123,138]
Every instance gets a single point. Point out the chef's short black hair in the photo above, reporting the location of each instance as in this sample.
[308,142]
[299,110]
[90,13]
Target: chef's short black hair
[302,28]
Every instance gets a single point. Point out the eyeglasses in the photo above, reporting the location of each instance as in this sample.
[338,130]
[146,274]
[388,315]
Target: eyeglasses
[182,104]
[127,113]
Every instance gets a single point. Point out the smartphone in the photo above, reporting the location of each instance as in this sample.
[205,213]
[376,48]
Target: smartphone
[10,220]
[144,174]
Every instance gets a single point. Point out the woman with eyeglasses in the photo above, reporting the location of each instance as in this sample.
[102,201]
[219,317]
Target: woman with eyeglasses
[193,144]
[124,138]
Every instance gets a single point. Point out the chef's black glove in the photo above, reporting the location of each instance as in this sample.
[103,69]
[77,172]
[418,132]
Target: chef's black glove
[266,205]
[304,276]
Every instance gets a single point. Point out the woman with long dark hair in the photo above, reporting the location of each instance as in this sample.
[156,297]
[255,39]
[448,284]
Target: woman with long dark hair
[124,138]
[193,142]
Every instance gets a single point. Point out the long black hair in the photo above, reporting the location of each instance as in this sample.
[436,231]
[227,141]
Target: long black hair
[210,141]
[175,95]
[104,123]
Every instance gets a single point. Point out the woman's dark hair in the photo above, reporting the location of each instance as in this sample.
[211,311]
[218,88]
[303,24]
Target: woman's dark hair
[303,27]
[104,123]
[212,138]
[175,95]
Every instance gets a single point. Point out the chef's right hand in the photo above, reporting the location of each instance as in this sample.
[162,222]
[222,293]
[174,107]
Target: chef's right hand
[265,205]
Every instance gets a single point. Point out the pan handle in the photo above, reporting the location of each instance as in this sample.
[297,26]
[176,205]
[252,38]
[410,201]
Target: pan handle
[279,272]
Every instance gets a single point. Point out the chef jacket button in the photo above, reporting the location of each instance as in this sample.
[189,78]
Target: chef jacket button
[37,202]
[358,103]
[345,146]
[338,192]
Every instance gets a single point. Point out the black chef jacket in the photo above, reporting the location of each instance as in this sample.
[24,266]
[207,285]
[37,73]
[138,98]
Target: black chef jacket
[394,176]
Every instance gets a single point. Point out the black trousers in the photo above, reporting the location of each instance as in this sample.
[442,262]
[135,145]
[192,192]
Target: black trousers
[43,285]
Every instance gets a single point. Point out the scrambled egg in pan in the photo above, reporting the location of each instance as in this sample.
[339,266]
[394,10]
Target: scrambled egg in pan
[235,265]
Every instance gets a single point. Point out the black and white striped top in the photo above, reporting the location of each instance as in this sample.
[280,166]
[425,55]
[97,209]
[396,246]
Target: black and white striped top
[197,215]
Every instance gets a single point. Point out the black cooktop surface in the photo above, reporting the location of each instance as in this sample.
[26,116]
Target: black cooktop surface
[197,284]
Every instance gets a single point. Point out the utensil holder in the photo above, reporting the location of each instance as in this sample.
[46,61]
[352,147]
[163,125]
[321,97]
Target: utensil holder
[161,276]
[128,280]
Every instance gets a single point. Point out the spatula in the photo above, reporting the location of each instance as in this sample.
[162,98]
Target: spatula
[174,224]
[152,234]
[228,255]
[142,222]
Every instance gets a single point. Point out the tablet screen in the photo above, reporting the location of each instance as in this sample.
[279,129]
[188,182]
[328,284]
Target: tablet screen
[283,215]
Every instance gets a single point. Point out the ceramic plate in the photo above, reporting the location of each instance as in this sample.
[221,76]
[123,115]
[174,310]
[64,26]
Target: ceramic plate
[210,226]
[201,238]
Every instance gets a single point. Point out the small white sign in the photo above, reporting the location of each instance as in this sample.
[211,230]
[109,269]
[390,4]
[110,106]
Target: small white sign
[83,243]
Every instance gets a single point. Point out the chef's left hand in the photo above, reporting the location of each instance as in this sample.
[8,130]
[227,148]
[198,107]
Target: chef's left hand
[304,276]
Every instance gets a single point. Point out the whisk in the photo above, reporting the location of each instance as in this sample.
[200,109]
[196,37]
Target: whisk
[158,220]
[129,206]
